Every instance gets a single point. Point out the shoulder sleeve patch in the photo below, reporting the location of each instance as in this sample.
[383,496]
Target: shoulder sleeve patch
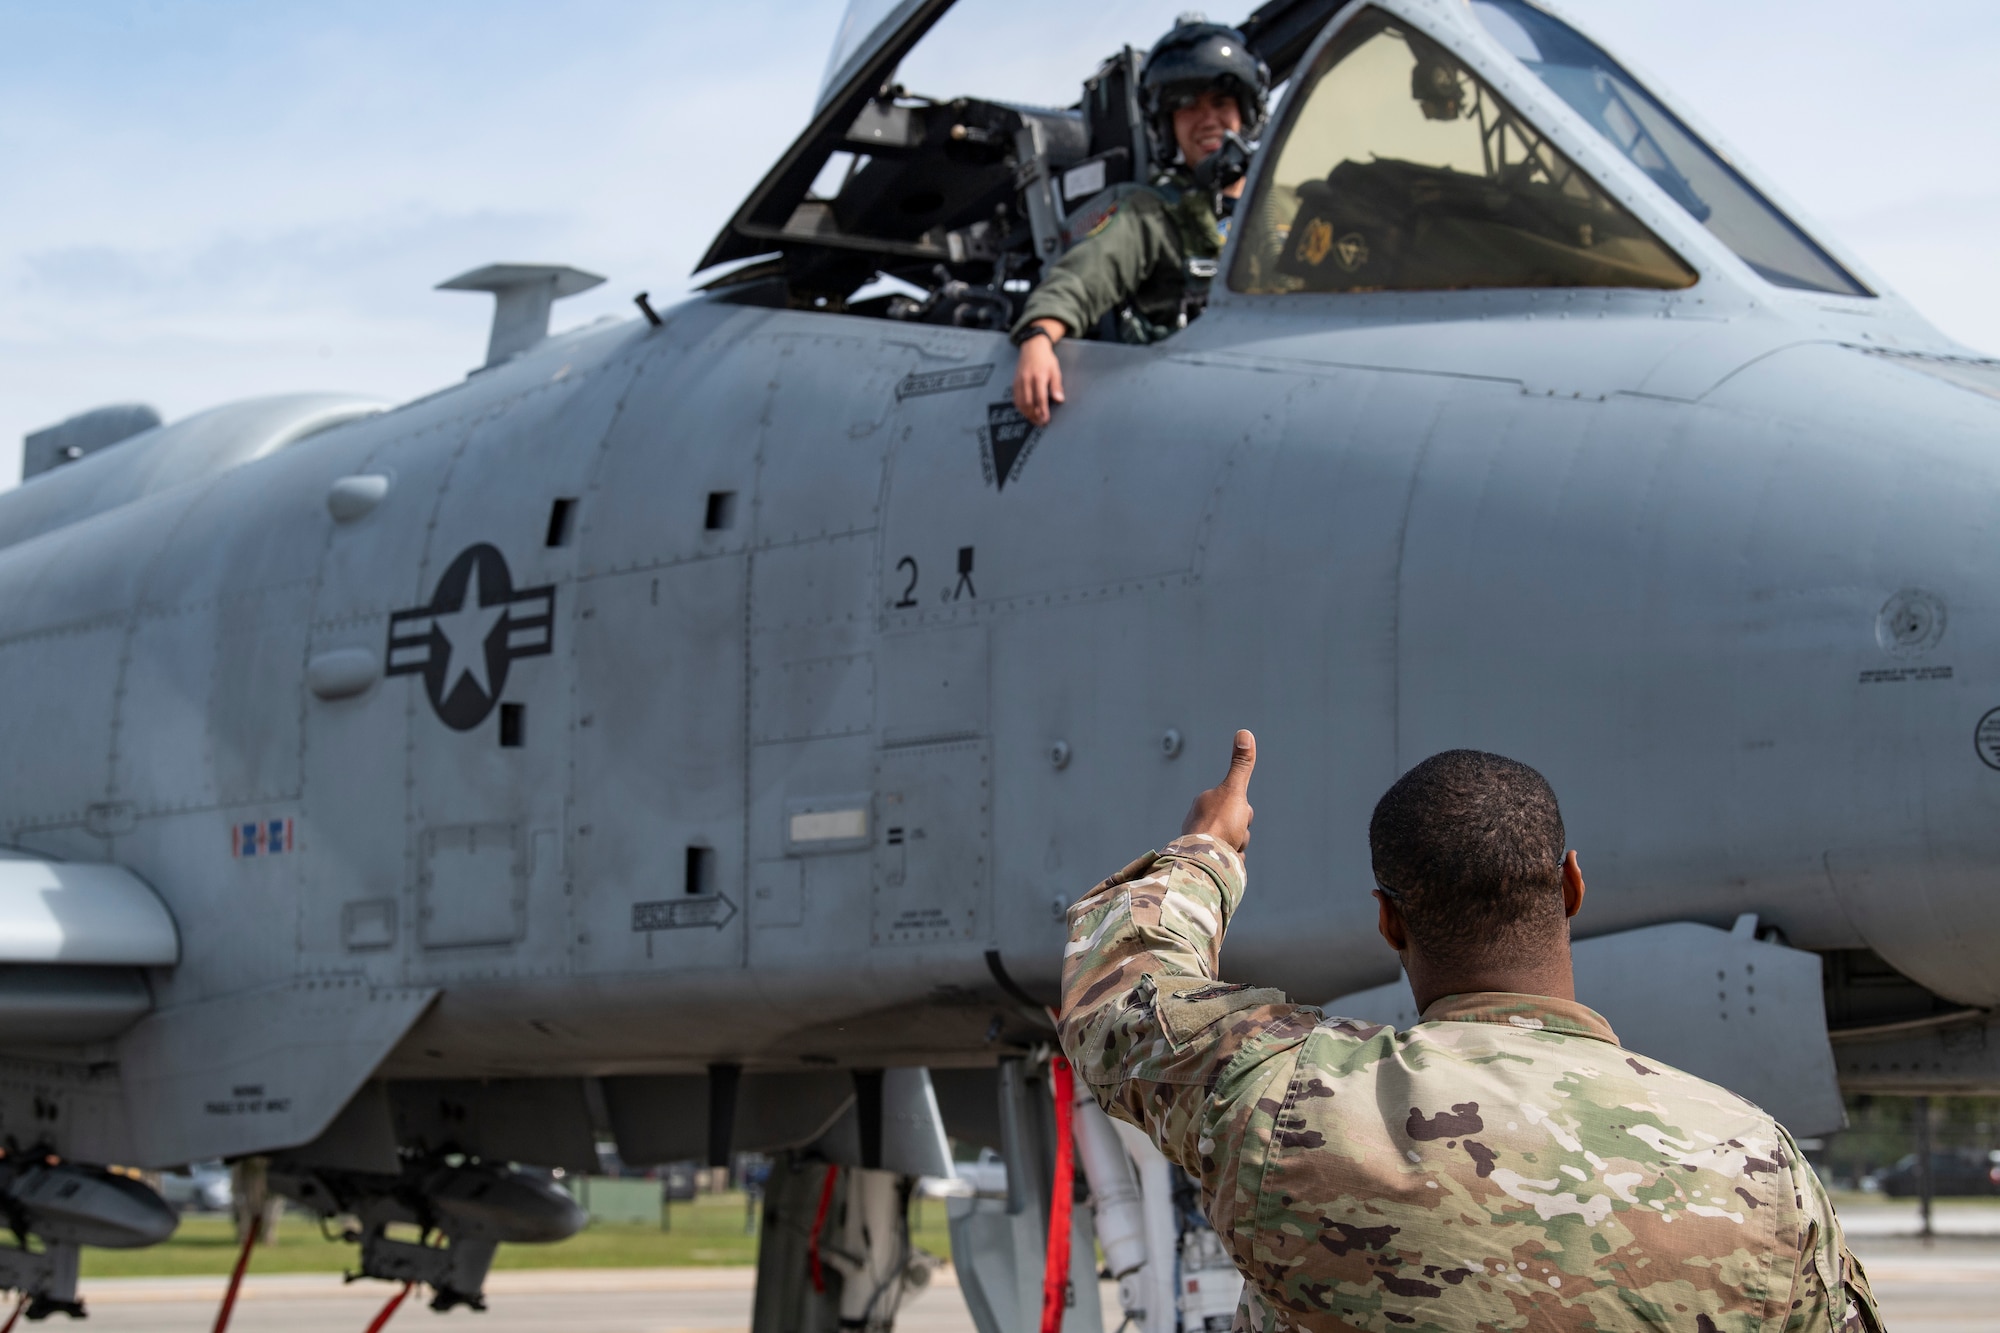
[1092,218]
[1188,1012]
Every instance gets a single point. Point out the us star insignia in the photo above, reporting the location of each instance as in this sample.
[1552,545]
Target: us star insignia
[462,643]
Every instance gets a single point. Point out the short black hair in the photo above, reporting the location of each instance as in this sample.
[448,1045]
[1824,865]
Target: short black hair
[1470,846]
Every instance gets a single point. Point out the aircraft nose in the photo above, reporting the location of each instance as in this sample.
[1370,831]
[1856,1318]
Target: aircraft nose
[1880,534]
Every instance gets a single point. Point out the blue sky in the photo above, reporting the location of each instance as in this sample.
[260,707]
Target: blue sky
[208,200]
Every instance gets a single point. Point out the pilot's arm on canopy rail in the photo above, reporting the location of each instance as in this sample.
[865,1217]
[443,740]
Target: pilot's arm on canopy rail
[1099,274]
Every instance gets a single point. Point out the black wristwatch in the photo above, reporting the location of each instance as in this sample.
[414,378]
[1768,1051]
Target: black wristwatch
[1033,331]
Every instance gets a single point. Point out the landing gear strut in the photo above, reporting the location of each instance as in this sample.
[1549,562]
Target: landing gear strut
[1000,1245]
[1173,1274]
[836,1250]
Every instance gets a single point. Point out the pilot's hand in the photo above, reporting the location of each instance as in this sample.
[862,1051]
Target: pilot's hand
[1038,375]
[1223,811]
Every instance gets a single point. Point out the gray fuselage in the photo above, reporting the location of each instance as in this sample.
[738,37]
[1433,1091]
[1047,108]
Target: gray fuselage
[1665,578]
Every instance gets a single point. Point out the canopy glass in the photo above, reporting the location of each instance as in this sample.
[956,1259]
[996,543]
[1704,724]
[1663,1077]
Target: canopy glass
[1400,170]
[1637,125]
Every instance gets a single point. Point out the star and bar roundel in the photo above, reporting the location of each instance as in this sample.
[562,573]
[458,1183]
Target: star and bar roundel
[464,640]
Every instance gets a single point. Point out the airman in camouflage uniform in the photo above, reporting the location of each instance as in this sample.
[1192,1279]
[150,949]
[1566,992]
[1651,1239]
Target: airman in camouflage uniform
[1504,1164]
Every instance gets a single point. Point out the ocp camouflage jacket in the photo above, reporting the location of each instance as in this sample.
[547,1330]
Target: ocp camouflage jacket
[1504,1164]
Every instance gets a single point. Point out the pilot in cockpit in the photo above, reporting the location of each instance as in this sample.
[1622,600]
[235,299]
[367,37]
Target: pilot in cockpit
[1147,251]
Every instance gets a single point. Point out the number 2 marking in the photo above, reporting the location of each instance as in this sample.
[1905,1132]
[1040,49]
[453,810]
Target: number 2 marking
[911,587]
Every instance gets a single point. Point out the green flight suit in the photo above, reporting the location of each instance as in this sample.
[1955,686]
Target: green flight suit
[1132,246]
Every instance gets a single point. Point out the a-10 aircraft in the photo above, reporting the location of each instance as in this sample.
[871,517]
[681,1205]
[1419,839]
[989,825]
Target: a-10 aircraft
[686,733]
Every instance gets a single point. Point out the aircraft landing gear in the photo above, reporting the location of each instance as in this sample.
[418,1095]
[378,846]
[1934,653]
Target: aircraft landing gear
[999,1243]
[836,1250]
[1172,1272]
[835,1253]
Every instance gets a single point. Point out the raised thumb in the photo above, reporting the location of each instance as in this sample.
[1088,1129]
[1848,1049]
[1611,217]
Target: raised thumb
[1242,761]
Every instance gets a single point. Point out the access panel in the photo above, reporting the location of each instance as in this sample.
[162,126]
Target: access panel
[933,869]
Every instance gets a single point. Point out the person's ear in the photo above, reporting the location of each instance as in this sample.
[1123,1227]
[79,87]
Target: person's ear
[1389,920]
[1572,885]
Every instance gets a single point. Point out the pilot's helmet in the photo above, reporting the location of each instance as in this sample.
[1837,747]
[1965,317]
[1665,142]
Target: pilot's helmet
[1192,58]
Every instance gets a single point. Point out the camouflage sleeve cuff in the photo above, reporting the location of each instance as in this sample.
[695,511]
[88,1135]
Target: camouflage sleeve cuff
[1219,861]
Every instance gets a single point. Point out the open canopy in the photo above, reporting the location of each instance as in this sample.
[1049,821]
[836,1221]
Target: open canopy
[949,150]
[859,112]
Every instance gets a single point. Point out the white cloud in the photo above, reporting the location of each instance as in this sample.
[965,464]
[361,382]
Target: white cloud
[208,200]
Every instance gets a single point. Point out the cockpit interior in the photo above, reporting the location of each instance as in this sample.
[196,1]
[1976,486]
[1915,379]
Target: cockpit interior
[1391,166]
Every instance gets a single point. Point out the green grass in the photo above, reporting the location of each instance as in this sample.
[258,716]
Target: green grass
[705,1232]
[1861,1198]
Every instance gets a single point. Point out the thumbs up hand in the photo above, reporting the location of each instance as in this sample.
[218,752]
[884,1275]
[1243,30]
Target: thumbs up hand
[1223,811]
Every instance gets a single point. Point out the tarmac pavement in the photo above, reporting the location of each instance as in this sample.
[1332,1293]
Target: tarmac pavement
[1949,1286]
[1899,1217]
[617,1300]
